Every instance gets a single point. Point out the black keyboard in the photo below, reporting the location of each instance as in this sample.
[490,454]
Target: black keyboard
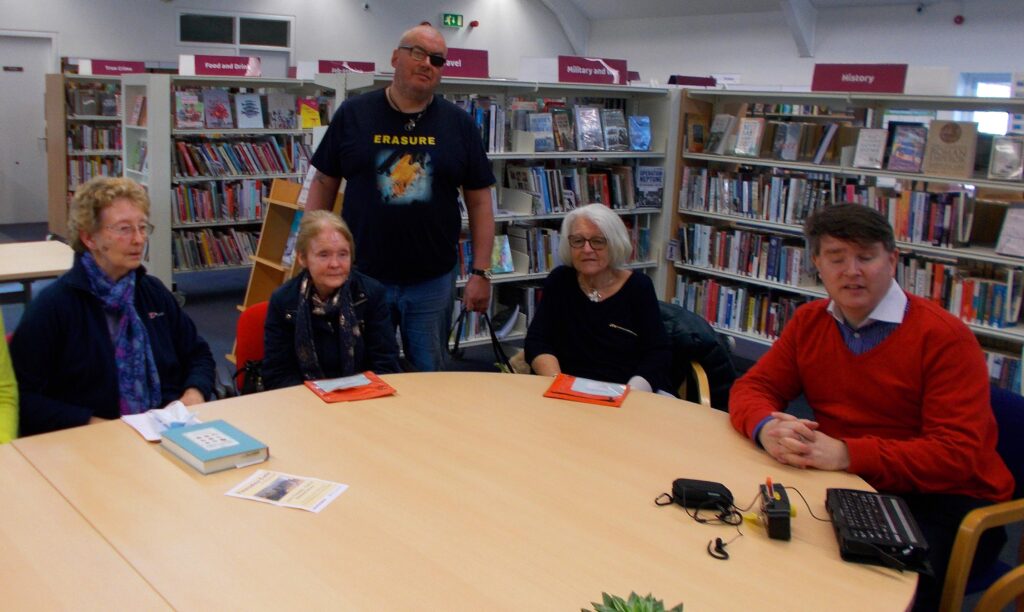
[875,528]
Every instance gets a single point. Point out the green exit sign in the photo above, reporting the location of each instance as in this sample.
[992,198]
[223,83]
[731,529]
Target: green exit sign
[451,20]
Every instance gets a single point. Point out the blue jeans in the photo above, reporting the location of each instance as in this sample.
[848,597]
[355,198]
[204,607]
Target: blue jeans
[423,314]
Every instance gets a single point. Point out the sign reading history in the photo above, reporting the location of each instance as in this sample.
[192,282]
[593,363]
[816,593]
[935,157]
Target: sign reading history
[867,78]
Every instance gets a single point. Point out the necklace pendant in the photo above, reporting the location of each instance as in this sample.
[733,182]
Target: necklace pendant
[410,126]
[594,296]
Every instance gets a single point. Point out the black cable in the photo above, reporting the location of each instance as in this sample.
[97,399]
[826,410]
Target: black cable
[807,504]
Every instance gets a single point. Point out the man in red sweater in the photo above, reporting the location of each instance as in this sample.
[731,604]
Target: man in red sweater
[898,386]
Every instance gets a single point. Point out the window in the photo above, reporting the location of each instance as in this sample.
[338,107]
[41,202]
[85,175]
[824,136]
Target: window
[207,29]
[263,32]
[987,85]
[235,30]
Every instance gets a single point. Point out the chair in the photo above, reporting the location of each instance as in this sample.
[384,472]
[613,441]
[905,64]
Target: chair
[1000,583]
[249,339]
[701,361]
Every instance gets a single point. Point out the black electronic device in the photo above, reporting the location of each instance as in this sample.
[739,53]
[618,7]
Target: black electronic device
[701,494]
[775,511]
[877,529]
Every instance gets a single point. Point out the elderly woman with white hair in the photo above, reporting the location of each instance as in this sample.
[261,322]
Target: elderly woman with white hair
[595,319]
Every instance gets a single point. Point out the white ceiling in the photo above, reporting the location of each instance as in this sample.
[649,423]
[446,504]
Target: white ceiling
[597,10]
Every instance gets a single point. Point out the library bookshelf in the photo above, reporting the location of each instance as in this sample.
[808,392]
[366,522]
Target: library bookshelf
[741,261]
[83,138]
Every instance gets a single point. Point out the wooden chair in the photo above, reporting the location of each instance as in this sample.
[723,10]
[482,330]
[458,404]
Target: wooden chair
[1000,583]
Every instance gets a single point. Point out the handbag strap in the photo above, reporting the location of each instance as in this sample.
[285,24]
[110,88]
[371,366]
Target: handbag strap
[499,352]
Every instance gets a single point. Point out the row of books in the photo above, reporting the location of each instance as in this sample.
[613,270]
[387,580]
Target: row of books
[501,256]
[540,244]
[768,257]
[980,294]
[206,248]
[212,108]
[762,109]
[737,307]
[942,148]
[94,100]
[939,219]
[240,156]
[81,169]
[85,136]
[562,189]
[1004,369]
[219,201]
[585,128]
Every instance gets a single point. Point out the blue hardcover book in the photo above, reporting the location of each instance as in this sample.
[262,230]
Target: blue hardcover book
[214,446]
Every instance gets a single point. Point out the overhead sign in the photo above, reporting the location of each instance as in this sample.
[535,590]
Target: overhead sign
[573,69]
[219,65]
[109,67]
[338,66]
[467,63]
[867,78]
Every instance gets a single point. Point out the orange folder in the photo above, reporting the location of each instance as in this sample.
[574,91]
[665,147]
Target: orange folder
[561,388]
[376,388]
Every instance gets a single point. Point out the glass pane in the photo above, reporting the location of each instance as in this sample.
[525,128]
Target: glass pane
[207,29]
[266,32]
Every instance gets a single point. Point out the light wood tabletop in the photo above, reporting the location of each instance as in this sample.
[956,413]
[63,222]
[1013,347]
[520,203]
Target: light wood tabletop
[22,261]
[467,491]
[52,558]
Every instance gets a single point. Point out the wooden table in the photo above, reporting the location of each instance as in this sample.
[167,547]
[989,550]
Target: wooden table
[32,261]
[467,491]
[51,558]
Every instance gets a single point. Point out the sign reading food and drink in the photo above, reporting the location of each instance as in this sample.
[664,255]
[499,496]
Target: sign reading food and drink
[467,63]
[219,65]
[104,67]
[867,78]
[573,69]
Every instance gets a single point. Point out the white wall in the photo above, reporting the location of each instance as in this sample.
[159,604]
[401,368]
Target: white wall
[324,29]
[760,48]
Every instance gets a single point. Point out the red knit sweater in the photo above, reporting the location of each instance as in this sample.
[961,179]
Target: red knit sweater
[913,411]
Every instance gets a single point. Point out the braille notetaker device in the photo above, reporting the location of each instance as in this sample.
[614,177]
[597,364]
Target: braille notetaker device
[775,510]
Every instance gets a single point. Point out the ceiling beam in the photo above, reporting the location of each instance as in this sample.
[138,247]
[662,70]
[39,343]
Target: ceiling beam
[574,23]
[802,18]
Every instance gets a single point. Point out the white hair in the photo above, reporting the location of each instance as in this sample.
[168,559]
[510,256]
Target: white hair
[610,226]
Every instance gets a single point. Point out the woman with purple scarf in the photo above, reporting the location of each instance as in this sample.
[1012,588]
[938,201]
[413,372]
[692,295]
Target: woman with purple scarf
[106,339]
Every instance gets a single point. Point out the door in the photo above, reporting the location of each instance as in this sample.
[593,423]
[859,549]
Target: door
[24,62]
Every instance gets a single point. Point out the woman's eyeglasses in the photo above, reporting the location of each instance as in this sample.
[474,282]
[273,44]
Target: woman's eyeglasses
[419,54]
[597,242]
[127,230]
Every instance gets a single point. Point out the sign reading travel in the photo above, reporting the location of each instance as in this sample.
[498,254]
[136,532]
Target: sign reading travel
[867,78]
[573,69]
[109,67]
[467,63]
[338,66]
[219,65]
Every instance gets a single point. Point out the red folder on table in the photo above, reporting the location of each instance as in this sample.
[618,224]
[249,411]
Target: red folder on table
[375,388]
[562,388]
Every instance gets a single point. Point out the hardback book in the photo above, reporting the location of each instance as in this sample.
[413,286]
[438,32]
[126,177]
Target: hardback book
[217,107]
[950,148]
[721,127]
[787,141]
[108,103]
[589,135]
[1011,234]
[870,150]
[748,136]
[214,446]
[188,110]
[616,135]
[288,256]
[561,121]
[639,133]
[542,130]
[138,116]
[825,144]
[1006,162]
[501,256]
[309,112]
[650,186]
[249,110]
[85,102]
[697,129]
[907,150]
[281,111]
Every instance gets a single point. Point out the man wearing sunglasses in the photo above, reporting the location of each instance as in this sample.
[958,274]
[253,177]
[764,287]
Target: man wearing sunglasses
[405,153]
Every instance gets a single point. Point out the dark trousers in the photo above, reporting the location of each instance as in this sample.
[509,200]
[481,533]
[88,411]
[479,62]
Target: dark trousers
[939,518]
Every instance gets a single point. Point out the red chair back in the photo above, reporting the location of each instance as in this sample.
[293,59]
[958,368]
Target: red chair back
[249,336]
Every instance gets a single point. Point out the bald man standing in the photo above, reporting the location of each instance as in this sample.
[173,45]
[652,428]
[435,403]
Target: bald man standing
[405,153]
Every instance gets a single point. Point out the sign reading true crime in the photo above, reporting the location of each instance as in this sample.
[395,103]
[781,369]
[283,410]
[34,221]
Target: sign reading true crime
[573,69]
[467,63]
[867,78]
[339,66]
[109,67]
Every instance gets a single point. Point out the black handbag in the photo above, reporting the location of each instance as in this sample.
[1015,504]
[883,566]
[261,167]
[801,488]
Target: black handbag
[501,359]
[251,377]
